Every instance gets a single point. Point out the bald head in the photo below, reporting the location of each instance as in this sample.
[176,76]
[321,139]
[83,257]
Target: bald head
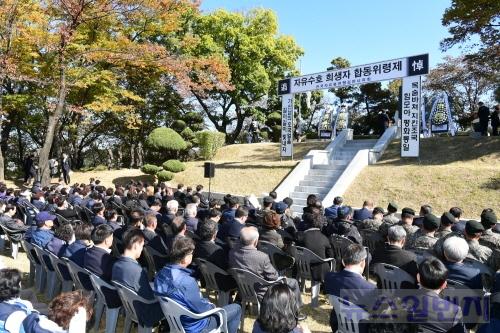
[249,236]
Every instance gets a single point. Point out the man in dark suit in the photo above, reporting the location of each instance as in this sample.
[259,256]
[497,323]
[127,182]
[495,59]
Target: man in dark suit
[392,252]
[99,261]
[128,272]
[66,167]
[365,212]
[76,250]
[349,282]
[441,315]
[331,211]
[455,250]
[62,208]
[484,116]
[203,199]
[191,220]
[247,257]
[207,249]
[232,227]
[98,210]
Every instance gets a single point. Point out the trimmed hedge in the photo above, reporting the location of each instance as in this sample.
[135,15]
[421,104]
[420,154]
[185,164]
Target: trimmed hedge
[210,142]
[188,134]
[174,166]
[164,176]
[163,138]
[179,125]
[150,169]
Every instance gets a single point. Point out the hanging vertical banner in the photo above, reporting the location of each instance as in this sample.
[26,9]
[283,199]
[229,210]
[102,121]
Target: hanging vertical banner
[410,120]
[286,149]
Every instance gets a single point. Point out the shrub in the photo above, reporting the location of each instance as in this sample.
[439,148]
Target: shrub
[188,134]
[164,176]
[179,125]
[165,139]
[210,142]
[174,166]
[150,169]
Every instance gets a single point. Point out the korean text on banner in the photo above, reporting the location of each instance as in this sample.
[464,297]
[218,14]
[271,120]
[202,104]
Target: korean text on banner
[410,118]
[286,148]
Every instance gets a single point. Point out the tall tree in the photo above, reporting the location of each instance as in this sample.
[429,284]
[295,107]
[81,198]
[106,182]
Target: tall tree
[257,58]
[345,92]
[464,81]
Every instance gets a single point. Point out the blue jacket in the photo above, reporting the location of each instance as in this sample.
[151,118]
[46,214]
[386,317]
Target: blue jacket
[470,276]
[362,214]
[41,237]
[176,282]
[331,211]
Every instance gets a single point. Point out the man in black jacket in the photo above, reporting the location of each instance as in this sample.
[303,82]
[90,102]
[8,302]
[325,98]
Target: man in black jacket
[484,116]
[15,225]
[393,254]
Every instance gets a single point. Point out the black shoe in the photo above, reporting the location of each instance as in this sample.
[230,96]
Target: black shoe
[302,316]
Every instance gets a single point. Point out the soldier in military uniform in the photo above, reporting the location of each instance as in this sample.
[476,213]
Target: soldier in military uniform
[447,221]
[424,238]
[407,216]
[489,238]
[473,231]
[374,223]
[392,208]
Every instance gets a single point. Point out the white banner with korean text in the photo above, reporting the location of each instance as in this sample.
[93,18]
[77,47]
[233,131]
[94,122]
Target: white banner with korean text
[286,149]
[410,118]
[362,74]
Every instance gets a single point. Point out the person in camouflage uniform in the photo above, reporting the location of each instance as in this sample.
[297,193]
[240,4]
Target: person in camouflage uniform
[424,238]
[375,222]
[473,231]
[392,209]
[489,238]
[447,221]
[407,216]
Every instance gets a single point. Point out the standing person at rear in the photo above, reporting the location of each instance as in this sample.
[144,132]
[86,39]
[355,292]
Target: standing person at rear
[484,116]
[66,167]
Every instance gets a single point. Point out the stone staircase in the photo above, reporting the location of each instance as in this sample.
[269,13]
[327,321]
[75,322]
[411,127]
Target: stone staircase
[322,177]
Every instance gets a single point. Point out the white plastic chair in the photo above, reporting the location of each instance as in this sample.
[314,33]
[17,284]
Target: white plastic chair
[391,277]
[348,315]
[173,312]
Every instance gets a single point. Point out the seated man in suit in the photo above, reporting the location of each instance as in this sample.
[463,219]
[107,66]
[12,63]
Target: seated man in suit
[97,258]
[349,282]
[98,210]
[392,252]
[206,248]
[76,250]
[128,272]
[246,256]
[191,220]
[175,281]
[441,315]
[455,250]
[99,261]
[7,219]
[62,208]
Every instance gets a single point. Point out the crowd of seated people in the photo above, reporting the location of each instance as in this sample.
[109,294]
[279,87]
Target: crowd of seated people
[110,231]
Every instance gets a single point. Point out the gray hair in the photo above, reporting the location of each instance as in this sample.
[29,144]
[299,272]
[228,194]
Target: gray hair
[172,205]
[455,249]
[191,209]
[396,233]
[248,235]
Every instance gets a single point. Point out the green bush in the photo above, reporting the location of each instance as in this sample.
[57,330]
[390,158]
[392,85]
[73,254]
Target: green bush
[179,125]
[150,169]
[164,176]
[165,139]
[188,134]
[174,166]
[210,142]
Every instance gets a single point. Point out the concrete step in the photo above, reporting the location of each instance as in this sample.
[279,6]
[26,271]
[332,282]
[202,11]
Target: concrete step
[326,172]
[321,190]
[303,195]
[333,165]
[297,209]
[328,184]
[299,202]
[323,178]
